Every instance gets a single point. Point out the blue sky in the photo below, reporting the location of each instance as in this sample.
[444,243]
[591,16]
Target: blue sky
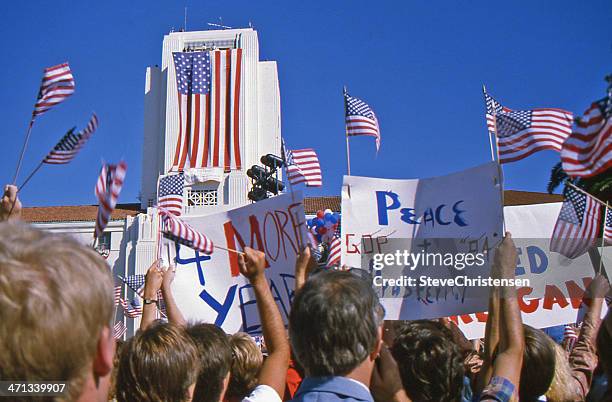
[421,66]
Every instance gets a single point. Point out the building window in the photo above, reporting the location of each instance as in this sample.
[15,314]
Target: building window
[202,197]
[150,202]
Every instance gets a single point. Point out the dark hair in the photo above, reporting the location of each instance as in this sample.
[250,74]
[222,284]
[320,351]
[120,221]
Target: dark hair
[215,355]
[158,364]
[333,323]
[538,368]
[430,363]
[604,340]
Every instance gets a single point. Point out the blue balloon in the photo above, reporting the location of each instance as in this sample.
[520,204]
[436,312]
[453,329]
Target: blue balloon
[328,217]
[333,219]
[319,222]
[310,222]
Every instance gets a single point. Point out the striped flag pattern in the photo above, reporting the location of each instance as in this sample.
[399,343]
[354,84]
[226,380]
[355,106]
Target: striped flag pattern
[608,226]
[131,310]
[170,193]
[588,150]
[117,294]
[57,85]
[119,330]
[179,231]
[521,133]
[70,144]
[570,335]
[334,252]
[209,85]
[107,191]
[360,118]
[303,167]
[577,226]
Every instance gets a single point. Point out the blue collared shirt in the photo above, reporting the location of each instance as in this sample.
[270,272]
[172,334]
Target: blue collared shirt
[324,389]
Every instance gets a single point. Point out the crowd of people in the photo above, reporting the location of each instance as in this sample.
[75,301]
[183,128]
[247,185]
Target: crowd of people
[56,312]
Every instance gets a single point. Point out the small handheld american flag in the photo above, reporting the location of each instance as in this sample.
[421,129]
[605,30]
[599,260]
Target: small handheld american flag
[70,144]
[108,188]
[588,150]
[57,85]
[577,226]
[334,252]
[179,231]
[303,166]
[170,193]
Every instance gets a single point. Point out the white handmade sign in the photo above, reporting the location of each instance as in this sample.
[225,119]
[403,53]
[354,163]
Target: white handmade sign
[465,205]
[211,288]
[557,283]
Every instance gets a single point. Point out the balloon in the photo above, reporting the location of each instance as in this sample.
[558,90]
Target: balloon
[322,230]
[310,222]
[320,214]
[328,211]
[319,222]
[329,225]
[333,219]
[328,216]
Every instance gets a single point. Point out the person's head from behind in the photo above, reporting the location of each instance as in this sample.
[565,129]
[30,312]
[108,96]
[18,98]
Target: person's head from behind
[215,357]
[430,363]
[538,368]
[246,363]
[335,324]
[158,364]
[604,340]
[56,307]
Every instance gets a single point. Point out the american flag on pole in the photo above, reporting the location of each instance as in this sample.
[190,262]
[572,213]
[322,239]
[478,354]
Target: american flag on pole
[577,226]
[57,85]
[107,191]
[334,252]
[360,118]
[170,193]
[209,85]
[179,231]
[70,144]
[588,150]
[520,133]
[303,166]
[119,330]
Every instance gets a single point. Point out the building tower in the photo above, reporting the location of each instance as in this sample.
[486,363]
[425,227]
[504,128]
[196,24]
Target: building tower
[239,116]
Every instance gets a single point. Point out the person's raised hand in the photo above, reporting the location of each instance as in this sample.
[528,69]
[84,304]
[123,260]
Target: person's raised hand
[153,280]
[168,277]
[504,261]
[598,288]
[252,265]
[10,206]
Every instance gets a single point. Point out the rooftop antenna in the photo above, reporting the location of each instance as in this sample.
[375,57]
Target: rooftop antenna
[185,22]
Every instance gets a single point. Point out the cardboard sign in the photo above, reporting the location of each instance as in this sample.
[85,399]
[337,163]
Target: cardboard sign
[211,288]
[557,283]
[465,205]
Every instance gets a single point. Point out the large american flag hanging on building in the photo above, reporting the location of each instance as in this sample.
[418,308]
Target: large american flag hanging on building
[577,226]
[57,85]
[209,85]
[588,150]
[520,133]
[170,193]
[70,144]
[360,119]
[107,191]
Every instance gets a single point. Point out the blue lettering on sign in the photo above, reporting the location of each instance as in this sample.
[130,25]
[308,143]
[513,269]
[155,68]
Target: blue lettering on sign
[222,309]
[538,260]
[388,200]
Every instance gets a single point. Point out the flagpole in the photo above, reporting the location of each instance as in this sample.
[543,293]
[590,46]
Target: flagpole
[30,176]
[23,149]
[584,192]
[603,239]
[484,92]
[290,187]
[348,148]
[500,171]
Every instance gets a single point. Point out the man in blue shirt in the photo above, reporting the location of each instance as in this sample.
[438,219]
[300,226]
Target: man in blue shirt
[335,327]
